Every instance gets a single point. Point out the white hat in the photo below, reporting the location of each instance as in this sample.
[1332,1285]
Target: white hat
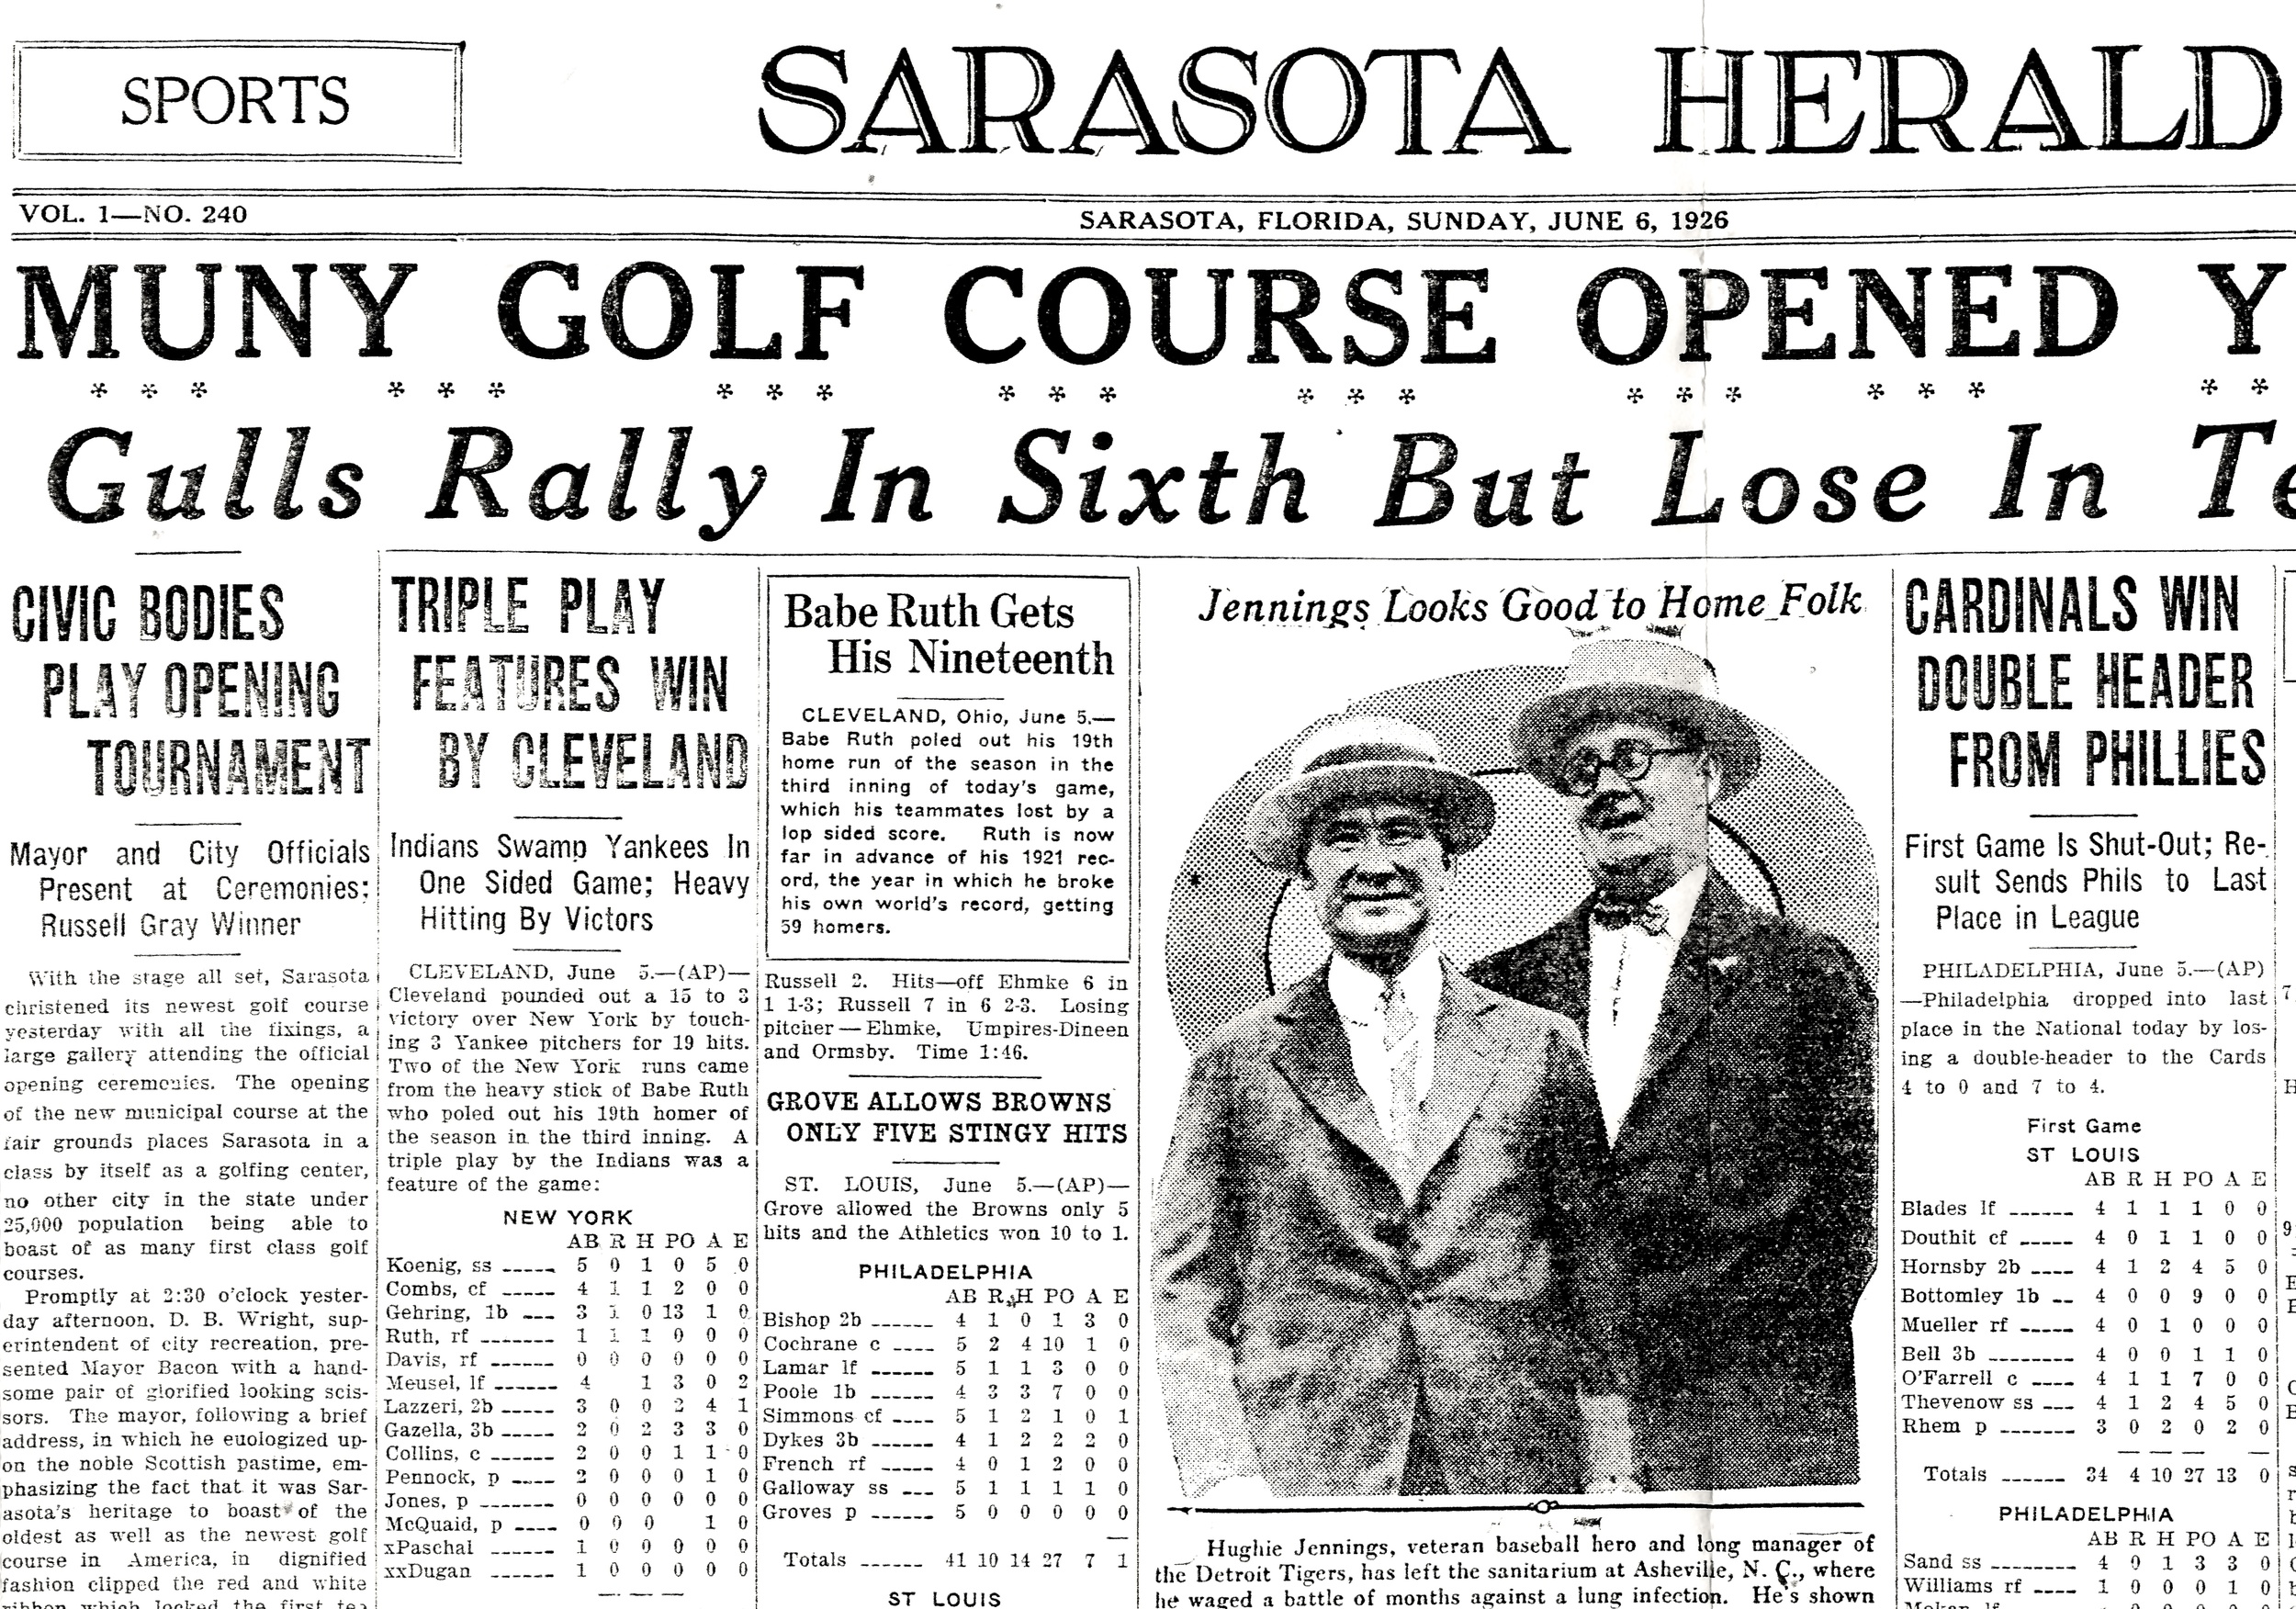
[1645,682]
[1364,758]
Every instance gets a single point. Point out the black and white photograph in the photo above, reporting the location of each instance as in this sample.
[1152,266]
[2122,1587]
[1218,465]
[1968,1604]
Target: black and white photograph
[1549,1164]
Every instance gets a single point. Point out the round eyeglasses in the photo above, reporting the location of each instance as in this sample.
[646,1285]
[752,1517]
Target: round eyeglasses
[1630,758]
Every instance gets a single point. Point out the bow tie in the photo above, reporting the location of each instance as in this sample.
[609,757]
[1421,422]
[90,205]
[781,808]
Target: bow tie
[1619,912]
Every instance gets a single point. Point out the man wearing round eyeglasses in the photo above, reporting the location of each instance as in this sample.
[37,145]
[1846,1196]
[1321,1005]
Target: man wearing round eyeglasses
[1732,1054]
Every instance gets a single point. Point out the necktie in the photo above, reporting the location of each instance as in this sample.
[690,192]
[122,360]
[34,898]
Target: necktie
[1400,1037]
[1619,912]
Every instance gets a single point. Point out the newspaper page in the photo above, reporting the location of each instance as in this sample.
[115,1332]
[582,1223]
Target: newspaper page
[1223,807]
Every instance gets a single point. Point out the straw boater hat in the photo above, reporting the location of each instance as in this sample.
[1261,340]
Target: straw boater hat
[1368,758]
[1645,682]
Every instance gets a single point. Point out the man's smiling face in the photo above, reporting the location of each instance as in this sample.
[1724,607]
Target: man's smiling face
[1380,874]
[1645,835]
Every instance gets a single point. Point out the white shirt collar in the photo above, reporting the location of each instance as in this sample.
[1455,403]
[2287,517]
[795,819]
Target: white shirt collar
[1680,902]
[1361,994]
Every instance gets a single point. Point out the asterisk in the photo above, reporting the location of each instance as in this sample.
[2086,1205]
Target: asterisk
[1058,394]
[1306,395]
[724,389]
[822,391]
[1355,393]
[2207,387]
[1634,393]
[2259,386]
[398,388]
[198,387]
[1681,394]
[150,389]
[1875,392]
[773,392]
[446,387]
[1928,389]
[1977,387]
[1004,393]
[495,389]
[1733,393]
[96,390]
[1407,395]
[1107,393]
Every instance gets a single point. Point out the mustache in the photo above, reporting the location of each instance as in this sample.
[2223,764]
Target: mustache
[1613,809]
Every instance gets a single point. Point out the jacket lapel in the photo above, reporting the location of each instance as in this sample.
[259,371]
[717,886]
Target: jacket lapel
[1314,1059]
[1466,1061]
[1559,966]
[1704,964]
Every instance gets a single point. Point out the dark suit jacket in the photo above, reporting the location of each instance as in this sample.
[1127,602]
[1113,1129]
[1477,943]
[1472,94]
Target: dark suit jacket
[1738,1204]
[1313,1292]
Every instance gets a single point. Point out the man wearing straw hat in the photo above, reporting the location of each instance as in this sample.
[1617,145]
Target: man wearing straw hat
[1366,1248]
[1732,1052]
